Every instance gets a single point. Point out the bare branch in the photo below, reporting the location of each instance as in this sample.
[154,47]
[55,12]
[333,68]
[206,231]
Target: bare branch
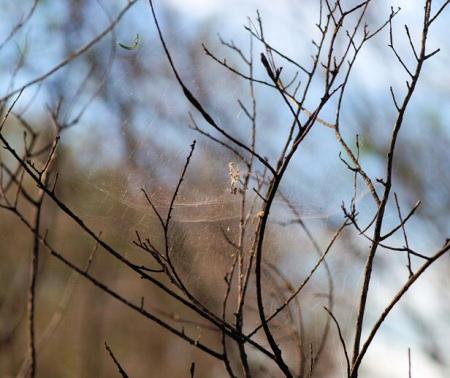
[75,54]
[341,338]
[116,362]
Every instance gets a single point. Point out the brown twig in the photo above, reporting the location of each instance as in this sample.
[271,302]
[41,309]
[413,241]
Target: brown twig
[116,362]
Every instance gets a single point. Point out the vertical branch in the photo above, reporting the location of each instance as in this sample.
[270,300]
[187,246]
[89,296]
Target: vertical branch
[34,268]
[32,288]
[387,187]
[405,237]
[409,363]
[166,224]
[242,221]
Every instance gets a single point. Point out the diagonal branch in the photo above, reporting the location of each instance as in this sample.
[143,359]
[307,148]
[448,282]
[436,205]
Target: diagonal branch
[75,54]
[116,362]
[387,310]
[195,102]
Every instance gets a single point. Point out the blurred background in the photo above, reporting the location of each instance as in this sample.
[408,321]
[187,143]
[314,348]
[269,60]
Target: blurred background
[130,130]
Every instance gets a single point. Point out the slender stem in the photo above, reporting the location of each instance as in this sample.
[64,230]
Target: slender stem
[34,268]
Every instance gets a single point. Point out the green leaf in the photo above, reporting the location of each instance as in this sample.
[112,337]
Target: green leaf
[133,46]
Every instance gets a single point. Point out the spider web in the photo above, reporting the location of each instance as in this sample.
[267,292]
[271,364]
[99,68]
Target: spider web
[216,202]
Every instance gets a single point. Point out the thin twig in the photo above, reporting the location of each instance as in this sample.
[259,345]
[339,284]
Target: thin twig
[116,362]
[74,54]
[341,338]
